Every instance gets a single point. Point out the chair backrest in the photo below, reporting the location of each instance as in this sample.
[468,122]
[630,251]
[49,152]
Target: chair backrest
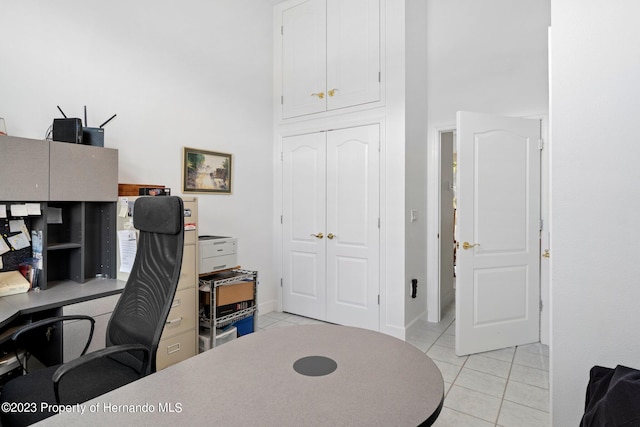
[142,310]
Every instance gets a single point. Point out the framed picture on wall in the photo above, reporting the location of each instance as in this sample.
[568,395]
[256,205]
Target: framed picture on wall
[206,171]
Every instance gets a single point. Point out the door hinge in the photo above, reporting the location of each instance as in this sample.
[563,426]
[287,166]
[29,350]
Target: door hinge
[379,76]
[281,282]
[281,99]
[541,224]
[541,306]
[378,299]
[378,222]
[281,219]
[540,144]
[282,30]
[282,156]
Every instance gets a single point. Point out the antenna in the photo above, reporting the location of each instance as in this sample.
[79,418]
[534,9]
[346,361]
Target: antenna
[63,114]
[111,118]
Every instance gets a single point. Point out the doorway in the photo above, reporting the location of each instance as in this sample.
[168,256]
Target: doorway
[446,241]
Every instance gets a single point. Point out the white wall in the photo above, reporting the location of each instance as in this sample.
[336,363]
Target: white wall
[595,183]
[416,156]
[393,205]
[488,56]
[193,73]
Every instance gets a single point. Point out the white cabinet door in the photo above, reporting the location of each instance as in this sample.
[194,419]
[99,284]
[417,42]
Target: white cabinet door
[330,55]
[330,226]
[304,59]
[353,52]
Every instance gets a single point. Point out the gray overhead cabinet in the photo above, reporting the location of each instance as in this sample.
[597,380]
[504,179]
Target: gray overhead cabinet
[83,173]
[75,188]
[24,169]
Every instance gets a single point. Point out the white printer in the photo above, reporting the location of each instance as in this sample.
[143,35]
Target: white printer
[217,253]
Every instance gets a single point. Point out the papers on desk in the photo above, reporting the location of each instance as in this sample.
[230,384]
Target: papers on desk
[12,282]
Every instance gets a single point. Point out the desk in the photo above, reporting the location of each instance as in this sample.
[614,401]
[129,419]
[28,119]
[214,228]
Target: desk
[16,310]
[379,380]
[58,295]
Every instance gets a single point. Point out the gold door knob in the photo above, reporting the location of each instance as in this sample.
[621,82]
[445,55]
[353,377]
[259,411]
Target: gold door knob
[318,236]
[467,245]
[332,92]
[330,236]
[319,95]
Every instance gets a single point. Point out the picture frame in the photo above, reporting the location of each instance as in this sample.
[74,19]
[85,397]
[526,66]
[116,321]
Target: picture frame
[207,172]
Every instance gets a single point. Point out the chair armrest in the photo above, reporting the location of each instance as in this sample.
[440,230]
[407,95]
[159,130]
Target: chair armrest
[98,354]
[51,320]
[46,322]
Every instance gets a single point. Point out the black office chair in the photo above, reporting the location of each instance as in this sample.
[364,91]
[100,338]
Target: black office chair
[133,332]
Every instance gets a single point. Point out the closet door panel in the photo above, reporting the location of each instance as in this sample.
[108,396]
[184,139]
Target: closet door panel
[304,255]
[352,226]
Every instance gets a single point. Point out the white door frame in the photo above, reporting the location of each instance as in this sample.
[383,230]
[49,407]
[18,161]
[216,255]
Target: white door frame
[433,226]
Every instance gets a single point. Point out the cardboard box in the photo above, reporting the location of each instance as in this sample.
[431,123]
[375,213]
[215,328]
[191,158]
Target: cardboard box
[229,294]
[133,189]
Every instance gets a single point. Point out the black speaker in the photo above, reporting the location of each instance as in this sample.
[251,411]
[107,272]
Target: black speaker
[67,130]
[93,136]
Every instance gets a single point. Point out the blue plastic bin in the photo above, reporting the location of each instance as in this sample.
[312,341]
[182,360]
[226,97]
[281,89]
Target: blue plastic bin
[244,326]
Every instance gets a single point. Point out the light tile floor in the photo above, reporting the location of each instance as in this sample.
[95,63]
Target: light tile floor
[503,388]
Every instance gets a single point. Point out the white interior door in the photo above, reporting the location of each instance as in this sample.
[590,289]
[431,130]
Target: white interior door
[498,260]
[304,215]
[352,226]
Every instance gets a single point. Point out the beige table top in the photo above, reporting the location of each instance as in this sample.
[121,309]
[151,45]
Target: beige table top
[379,380]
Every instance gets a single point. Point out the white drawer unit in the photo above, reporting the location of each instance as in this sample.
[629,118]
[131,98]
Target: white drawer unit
[217,253]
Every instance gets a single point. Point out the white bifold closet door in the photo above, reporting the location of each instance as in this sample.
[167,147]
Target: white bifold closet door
[331,235]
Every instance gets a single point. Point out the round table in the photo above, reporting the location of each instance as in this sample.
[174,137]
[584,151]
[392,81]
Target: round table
[363,378]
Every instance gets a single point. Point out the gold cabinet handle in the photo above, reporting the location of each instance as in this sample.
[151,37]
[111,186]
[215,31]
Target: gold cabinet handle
[467,245]
[318,236]
[319,95]
[546,253]
[332,92]
[330,236]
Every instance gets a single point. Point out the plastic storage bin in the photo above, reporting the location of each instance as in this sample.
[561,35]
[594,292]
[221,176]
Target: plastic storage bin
[245,326]
[221,338]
